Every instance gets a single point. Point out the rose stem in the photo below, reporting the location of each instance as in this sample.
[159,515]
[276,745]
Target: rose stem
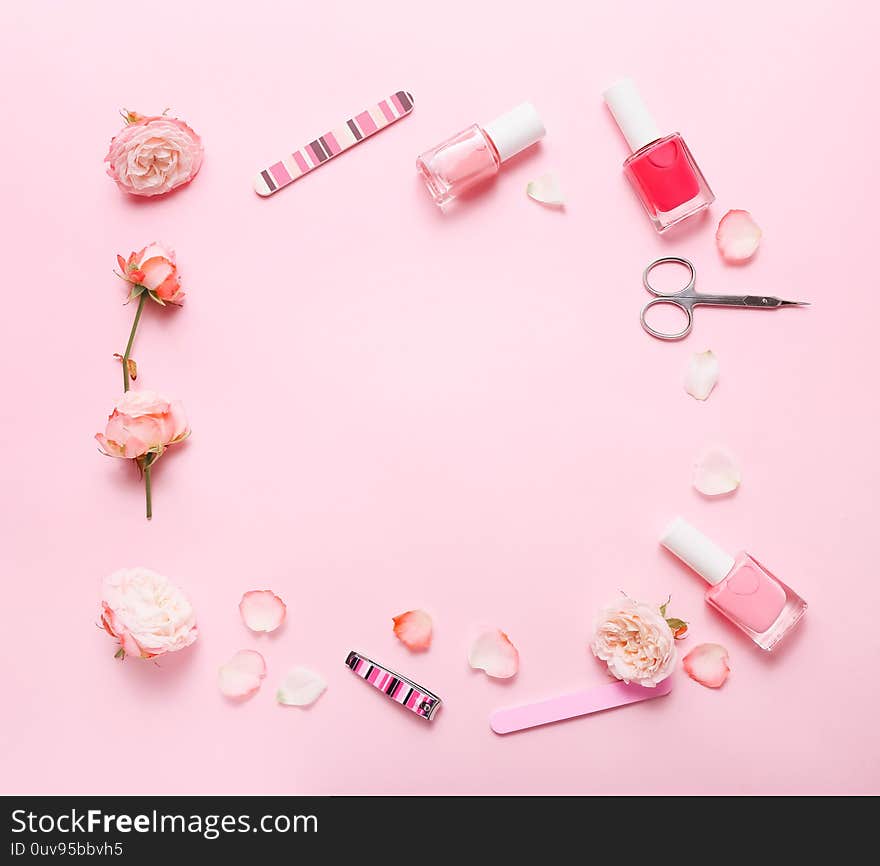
[137,318]
[148,486]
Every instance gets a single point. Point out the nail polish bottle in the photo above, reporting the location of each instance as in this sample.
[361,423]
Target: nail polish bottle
[661,169]
[741,588]
[476,153]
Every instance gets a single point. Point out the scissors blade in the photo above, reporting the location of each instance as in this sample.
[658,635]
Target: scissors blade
[767,302]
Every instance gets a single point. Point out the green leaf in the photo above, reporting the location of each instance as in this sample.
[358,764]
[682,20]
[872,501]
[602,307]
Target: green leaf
[156,298]
[665,605]
[120,653]
[136,291]
[675,623]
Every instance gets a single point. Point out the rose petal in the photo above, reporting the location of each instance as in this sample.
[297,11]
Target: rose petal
[262,610]
[493,653]
[414,629]
[155,271]
[300,688]
[702,374]
[716,472]
[546,190]
[738,236]
[242,674]
[708,665]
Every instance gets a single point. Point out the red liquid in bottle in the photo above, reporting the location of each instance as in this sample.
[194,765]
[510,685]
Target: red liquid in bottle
[662,170]
[664,173]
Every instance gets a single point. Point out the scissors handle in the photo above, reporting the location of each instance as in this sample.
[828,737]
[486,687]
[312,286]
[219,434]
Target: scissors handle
[665,260]
[671,302]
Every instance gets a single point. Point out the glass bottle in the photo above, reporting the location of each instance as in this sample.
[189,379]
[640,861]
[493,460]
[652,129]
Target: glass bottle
[475,154]
[752,598]
[661,169]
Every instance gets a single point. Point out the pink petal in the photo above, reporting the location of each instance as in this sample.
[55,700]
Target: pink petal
[242,674]
[300,688]
[708,665]
[180,424]
[109,447]
[169,289]
[155,272]
[493,653]
[414,629]
[738,236]
[262,610]
[157,250]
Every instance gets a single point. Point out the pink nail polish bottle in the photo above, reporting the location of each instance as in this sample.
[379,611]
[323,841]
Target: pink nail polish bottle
[661,169]
[476,153]
[741,588]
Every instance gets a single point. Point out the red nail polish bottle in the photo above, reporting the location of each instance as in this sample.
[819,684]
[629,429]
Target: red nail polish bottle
[661,169]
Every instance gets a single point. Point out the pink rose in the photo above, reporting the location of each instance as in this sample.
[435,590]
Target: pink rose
[146,613]
[153,155]
[636,642]
[143,422]
[153,269]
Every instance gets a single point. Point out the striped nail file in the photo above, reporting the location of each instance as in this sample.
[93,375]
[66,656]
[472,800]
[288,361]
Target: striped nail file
[404,691]
[355,130]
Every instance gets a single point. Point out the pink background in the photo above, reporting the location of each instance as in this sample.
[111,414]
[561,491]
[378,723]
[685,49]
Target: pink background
[393,408]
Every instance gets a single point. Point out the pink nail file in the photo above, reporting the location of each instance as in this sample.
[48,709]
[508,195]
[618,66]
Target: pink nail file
[353,131]
[582,703]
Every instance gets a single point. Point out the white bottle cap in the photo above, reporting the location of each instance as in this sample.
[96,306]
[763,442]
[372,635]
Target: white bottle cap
[516,130]
[632,115]
[694,549]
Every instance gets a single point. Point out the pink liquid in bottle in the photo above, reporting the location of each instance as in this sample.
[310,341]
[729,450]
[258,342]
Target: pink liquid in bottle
[459,163]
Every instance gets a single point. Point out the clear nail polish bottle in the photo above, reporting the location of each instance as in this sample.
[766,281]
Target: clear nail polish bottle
[741,588]
[661,168]
[475,154]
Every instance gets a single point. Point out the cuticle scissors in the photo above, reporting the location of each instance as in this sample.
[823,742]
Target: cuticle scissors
[687,298]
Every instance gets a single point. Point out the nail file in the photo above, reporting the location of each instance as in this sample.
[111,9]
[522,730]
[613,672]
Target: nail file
[353,131]
[582,703]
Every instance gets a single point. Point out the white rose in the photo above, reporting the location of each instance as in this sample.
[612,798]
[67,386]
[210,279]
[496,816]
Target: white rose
[635,641]
[147,613]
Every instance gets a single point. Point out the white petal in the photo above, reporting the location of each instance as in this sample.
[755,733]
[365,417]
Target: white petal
[546,190]
[738,236]
[262,610]
[493,653]
[708,664]
[242,674]
[716,472]
[702,374]
[300,688]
